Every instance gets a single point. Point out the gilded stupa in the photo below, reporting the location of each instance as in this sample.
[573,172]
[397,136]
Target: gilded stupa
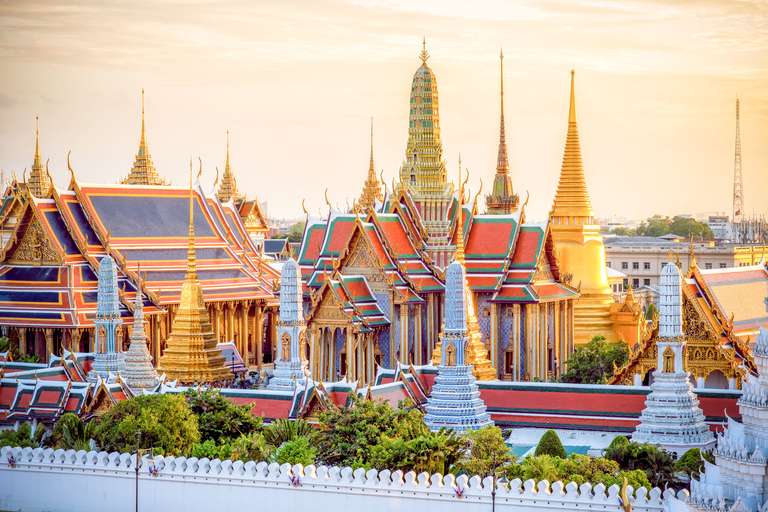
[38,181]
[191,354]
[579,243]
[228,187]
[475,354]
[143,171]
[372,188]
[502,200]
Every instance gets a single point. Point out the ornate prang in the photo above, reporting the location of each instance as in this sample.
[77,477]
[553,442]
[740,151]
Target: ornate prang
[291,327]
[107,322]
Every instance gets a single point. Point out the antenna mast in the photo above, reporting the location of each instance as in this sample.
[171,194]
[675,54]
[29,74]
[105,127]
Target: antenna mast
[738,186]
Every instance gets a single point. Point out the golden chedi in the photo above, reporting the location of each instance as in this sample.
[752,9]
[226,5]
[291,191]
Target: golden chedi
[579,243]
[191,354]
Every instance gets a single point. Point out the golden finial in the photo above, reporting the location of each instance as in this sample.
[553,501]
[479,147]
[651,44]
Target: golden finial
[677,256]
[572,110]
[693,257]
[424,55]
[143,140]
[346,199]
[460,227]
[478,193]
[227,166]
[69,166]
[190,192]
[327,201]
[37,137]
[304,208]
[381,175]
[24,176]
[47,172]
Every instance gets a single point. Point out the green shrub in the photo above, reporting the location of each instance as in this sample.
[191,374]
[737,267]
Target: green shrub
[617,442]
[690,462]
[251,447]
[23,436]
[297,451]
[550,444]
[218,418]
[210,450]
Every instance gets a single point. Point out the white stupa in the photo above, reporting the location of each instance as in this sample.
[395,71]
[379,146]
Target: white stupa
[291,361]
[672,417]
[739,481]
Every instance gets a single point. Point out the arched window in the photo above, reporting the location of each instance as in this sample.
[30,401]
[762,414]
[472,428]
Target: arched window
[716,380]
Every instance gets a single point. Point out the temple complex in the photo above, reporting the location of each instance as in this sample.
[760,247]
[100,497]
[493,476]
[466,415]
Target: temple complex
[422,175]
[374,283]
[191,354]
[52,247]
[109,337]
[143,171]
[716,355]
[672,416]
[139,374]
[502,199]
[292,356]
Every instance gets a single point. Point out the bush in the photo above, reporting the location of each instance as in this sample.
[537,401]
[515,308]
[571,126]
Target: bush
[593,362]
[251,447]
[23,436]
[618,442]
[297,451]
[690,462]
[166,423]
[657,464]
[550,444]
[218,418]
[284,430]
[484,444]
[210,451]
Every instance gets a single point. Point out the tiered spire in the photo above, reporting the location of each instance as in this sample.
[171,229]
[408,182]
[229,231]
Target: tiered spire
[228,188]
[108,323]
[572,198]
[143,171]
[139,372]
[191,354]
[502,199]
[372,188]
[38,182]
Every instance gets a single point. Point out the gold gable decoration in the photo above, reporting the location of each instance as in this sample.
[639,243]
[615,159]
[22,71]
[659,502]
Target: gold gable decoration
[36,247]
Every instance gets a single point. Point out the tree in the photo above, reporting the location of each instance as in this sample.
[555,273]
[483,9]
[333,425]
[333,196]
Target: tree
[75,433]
[650,312]
[23,437]
[687,227]
[218,418]
[593,363]
[657,464]
[297,451]
[484,444]
[550,444]
[285,430]
[692,462]
[417,449]
[624,232]
[166,423]
[296,233]
[654,226]
[251,447]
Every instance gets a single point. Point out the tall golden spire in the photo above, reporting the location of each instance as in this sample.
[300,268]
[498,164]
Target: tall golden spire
[424,55]
[459,255]
[191,353]
[38,182]
[228,187]
[502,199]
[572,198]
[372,187]
[143,171]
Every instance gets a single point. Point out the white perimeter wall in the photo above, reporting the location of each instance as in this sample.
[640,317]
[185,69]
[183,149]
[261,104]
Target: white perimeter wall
[48,480]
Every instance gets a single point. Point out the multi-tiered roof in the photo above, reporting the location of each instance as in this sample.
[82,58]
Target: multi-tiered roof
[143,171]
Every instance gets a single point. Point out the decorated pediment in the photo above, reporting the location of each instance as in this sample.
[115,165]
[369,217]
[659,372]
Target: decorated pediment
[36,247]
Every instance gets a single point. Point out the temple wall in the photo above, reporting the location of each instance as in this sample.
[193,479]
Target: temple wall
[100,481]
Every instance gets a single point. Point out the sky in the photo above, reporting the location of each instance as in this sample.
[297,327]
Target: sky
[296,84]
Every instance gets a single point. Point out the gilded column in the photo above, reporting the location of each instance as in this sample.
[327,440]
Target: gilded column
[22,340]
[350,355]
[417,338]
[312,338]
[558,348]
[273,332]
[430,325]
[544,353]
[48,344]
[404,334]
[258,334]
[246,305]
[494,338]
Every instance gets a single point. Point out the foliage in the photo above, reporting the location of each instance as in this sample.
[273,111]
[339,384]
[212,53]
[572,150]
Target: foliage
[593,363]
[29,358]
[484,444]
[284,430]
[296,451]
[657,464]
[165,421]
[6,345]
[624,232]
[550,444]
[577,468]
[251,447]
[210,450]
[690,462]
[75,433]
[417,449]
[650,312]
[23,436]
[347,434]
[681,226]
[296,233]
[618,441]
[218,418]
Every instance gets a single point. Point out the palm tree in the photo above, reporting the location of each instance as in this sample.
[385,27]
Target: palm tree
[76,434]
[283,430]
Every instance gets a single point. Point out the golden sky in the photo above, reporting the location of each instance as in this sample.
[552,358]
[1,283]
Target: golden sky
[297,82]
